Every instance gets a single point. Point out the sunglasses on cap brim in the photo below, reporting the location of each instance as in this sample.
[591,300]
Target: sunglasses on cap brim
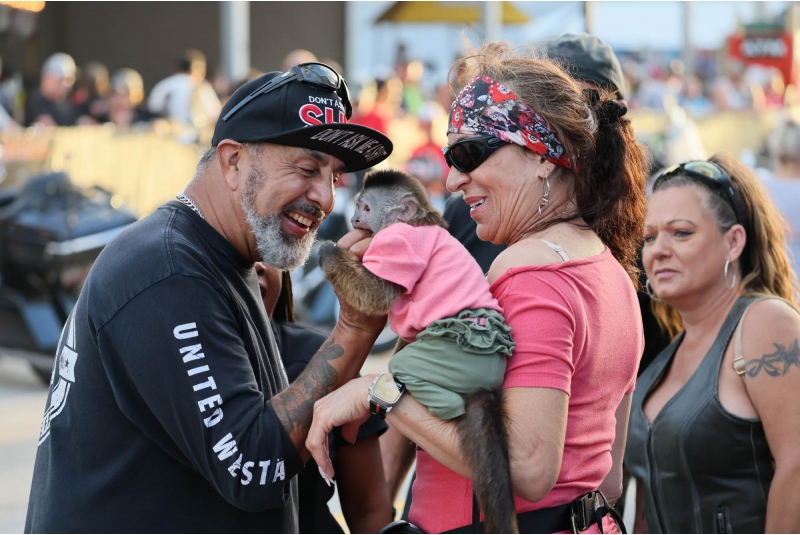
[316,74]
[710,175]
[469,153]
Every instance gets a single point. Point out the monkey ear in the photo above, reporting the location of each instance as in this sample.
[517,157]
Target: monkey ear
[409,210]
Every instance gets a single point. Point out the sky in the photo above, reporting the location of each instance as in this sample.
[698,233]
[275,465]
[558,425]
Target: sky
[624,25]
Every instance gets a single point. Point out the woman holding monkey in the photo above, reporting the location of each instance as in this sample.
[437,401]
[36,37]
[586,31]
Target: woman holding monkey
[552,171]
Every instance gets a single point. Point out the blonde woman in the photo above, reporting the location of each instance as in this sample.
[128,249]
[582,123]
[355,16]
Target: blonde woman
[714,428]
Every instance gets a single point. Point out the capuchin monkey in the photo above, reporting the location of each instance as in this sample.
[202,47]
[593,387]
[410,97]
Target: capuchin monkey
[411,250]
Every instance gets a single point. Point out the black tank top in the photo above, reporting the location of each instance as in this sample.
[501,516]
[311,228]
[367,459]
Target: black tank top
[704,470]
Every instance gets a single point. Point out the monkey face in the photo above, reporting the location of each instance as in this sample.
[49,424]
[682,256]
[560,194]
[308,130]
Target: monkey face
[366,216]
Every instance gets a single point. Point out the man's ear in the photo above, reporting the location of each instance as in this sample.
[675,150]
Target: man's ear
[409,210]
[229,155]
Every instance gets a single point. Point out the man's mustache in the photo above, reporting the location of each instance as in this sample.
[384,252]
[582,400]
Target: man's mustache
[306,208]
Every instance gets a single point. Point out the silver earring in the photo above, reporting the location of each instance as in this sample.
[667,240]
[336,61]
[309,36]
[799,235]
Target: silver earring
[546,195]
[732,285]
[649,291]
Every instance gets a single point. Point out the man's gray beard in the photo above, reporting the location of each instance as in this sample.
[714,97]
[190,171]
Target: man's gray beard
[276,248]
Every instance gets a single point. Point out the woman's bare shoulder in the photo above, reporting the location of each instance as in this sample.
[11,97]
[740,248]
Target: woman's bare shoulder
[529,252]
[764,314]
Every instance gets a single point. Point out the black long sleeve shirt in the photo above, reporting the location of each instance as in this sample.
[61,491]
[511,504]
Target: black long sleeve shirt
[158,417]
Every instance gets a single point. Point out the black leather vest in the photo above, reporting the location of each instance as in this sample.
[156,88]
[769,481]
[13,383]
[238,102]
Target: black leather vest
[704,470]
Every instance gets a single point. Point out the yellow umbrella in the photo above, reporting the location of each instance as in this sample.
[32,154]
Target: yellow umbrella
[448,12]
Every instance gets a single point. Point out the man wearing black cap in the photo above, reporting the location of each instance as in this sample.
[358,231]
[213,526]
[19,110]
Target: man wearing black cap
[593,63]
[169,408]
[589,60]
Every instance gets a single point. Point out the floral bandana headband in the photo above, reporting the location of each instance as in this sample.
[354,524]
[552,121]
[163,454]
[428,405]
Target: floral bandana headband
[485,106]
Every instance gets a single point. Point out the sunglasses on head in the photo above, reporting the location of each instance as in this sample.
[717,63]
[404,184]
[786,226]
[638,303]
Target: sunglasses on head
[317,74]
[469,153]
[710,175]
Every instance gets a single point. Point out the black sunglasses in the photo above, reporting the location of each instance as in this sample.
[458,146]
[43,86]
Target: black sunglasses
[469,153]
[710,175]
[317,74]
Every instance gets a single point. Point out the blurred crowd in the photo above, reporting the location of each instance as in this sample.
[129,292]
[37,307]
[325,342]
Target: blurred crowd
[714,86]
[190,99]
[404,102]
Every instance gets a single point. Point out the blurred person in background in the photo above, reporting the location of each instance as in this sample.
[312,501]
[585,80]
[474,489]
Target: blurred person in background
[296,57]
[125,103]
[7,122]
[413,97]
[594,64]
[590,61]
[714,431]
[693,99]
[729,90]
[652,90]
[427,162]
[92,91]
[774,90]
[6,100]
[186,96]
[379,112]
[49,105]
[359,471]
[443,95]
[783,183]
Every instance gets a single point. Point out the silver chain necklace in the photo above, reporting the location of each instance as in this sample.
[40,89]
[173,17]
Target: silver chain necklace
[190,203]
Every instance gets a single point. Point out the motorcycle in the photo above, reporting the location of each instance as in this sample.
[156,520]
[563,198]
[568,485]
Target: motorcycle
[51,232]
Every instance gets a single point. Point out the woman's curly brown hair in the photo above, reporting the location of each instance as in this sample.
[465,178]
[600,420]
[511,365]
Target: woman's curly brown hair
[610,171]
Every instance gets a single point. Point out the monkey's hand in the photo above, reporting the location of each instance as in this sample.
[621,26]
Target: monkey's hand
[354,284]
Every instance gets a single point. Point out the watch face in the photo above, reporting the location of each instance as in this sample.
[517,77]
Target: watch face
[385,389]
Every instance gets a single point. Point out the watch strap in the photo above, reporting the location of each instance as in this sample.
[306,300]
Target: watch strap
[378,409]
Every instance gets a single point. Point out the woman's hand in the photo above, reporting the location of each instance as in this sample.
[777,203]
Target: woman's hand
[356,241]
[347,406]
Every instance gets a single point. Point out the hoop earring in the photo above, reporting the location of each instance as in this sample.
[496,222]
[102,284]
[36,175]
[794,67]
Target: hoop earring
[732,285]
[649,291]
[546,195]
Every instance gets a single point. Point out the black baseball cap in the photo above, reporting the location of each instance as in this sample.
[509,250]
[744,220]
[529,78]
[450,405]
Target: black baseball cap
[588,58]
[304,115]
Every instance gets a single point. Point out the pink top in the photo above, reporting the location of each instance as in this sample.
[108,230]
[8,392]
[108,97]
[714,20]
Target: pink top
[440,277]
[578,328]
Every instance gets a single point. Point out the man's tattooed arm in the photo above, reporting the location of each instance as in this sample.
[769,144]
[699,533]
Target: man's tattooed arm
[776,364]
[295,405]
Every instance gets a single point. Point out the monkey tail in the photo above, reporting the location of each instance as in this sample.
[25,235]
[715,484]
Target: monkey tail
[484,444]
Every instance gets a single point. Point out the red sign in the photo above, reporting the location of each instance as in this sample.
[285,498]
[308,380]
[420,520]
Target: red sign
[769,50]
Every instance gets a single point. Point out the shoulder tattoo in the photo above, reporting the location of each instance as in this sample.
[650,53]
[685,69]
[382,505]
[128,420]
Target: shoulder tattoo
[776,364]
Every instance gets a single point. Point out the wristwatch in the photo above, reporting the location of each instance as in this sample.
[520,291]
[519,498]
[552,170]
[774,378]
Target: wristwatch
[384,392]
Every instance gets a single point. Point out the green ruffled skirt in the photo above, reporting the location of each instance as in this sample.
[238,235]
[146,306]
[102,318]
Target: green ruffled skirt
[454,356]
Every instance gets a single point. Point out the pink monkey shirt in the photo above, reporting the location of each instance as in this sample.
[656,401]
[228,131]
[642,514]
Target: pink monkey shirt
[440,277]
